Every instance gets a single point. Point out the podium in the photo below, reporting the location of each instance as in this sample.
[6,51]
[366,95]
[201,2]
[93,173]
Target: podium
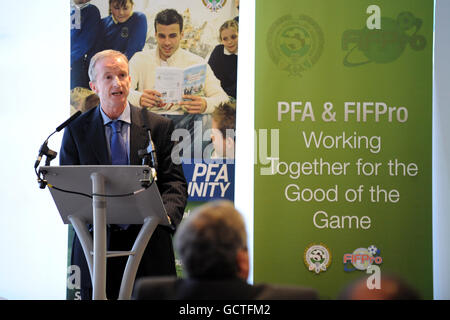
[118,197]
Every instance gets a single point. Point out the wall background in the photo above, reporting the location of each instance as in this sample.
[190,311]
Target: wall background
[34,41]
[441,153]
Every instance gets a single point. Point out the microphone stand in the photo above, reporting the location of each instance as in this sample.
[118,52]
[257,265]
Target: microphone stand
[148,157]
[50,155]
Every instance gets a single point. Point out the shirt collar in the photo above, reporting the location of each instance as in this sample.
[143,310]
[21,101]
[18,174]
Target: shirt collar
[80,6]
[228,53]
[125,116]
[169,61]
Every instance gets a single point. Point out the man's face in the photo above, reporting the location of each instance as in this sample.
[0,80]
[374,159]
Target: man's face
[112,83]
[168,38]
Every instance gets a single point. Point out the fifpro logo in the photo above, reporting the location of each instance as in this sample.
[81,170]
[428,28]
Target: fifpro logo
[362,258]
[384,43]
[367,260]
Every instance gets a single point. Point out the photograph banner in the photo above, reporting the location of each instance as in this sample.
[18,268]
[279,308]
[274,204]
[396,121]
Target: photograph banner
[203,63]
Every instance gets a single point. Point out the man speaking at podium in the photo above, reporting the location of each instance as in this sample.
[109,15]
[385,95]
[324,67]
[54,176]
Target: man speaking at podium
[111,134]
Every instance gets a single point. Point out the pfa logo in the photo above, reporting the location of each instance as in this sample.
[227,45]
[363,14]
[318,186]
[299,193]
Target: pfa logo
[295,43]
[317,258]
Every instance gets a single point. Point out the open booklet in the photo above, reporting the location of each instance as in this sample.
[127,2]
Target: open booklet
[173,82]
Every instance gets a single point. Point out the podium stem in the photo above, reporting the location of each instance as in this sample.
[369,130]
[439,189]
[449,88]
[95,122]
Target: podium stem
[99,219]
[129,276]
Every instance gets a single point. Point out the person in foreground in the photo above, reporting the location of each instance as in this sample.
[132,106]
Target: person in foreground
[392,287]
[112,133]
[212,245]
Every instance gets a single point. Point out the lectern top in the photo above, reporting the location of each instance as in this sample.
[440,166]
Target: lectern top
[119,180]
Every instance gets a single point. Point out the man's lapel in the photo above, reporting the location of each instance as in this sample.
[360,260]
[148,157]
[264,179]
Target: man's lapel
[138,135]
[96,132]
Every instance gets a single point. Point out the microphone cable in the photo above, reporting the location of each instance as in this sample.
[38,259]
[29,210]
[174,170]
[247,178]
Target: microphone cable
[90,196]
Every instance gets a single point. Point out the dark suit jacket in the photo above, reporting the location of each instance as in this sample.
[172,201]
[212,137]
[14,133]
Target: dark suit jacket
[171,288]
[84,143]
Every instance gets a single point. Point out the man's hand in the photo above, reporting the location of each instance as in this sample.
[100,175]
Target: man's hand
[150,99]
[196,105]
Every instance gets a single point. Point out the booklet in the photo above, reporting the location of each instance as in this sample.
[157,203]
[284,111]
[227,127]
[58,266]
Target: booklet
[173,82]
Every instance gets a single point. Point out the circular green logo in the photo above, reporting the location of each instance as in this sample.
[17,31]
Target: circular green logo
[295,43]
[384,45]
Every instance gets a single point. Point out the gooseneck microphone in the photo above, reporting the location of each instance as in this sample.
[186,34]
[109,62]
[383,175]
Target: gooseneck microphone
[44,150]
[151,149]
[68,121]
[148,155]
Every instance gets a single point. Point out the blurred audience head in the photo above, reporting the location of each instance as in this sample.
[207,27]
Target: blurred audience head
[212,242]
[392,288]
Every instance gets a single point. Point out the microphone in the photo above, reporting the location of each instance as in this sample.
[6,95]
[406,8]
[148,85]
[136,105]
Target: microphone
[68,121]
[150,151]
[44,150]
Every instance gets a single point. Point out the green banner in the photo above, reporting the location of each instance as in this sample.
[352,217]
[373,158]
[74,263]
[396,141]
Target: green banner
[343,120]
